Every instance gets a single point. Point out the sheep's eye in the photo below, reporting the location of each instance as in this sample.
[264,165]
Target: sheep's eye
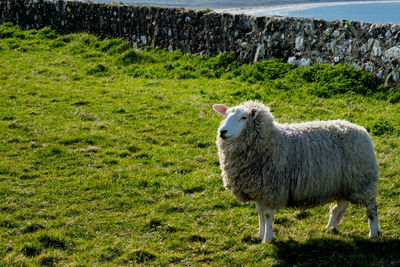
[243,118]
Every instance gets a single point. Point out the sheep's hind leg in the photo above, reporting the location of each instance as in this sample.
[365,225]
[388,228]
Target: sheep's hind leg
[261,221]
[373,221]
[336,214]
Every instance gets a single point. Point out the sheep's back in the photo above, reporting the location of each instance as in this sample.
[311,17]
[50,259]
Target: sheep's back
[327,160]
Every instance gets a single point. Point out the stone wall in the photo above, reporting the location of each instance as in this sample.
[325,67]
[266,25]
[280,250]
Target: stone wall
[373,47]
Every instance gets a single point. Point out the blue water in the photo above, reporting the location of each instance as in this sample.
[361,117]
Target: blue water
[368,12]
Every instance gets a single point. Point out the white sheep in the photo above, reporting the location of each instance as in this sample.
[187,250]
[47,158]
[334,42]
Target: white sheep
[296,165]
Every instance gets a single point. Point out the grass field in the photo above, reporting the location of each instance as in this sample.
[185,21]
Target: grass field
[107,157]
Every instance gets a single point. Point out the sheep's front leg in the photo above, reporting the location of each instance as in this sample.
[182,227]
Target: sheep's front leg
[265,217]
[269,235]
[373,221]
[261,221]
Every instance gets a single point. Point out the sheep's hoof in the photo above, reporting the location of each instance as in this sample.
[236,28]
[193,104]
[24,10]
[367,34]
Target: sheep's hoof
[335,231]
[256,239]
[252,239]
[266,241]
[375,235]
[259,236]
[332,230]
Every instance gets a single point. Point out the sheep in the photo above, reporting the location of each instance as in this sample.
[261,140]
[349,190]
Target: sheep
[298,165]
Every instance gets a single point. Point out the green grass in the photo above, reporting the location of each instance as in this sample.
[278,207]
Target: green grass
[107,156]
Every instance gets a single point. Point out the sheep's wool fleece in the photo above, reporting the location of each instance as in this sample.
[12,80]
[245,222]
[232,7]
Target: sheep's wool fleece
[302,165]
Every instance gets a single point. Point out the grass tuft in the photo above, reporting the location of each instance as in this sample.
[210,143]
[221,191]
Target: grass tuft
[381,126]
[31,250]
[49,259]
[197,238]
[34,227]
[141,256]
[52,242]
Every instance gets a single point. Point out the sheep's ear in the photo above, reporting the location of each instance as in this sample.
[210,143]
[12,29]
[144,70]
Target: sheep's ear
[221,109]
[253,113]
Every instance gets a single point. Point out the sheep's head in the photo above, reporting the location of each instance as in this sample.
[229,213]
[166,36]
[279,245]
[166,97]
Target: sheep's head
[236,119]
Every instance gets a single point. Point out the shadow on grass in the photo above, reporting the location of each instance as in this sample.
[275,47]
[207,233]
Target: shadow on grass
[329,252]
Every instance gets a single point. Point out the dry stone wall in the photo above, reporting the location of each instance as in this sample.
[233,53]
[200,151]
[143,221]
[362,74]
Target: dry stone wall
[301,41]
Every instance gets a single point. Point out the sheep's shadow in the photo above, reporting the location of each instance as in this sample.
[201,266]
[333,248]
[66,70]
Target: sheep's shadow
[330,252]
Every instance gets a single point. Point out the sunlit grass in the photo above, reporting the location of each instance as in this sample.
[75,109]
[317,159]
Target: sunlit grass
[107,156]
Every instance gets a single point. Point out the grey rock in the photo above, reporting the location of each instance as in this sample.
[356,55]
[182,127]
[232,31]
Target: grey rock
[363,49]
[336,34]
[336,59]
[292,60]
[393,53]
[376,49]
[304,62]
[143,39]
[395,76]
[379,75]
[299,43]
[259,53]
[388,35]
[369,67]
